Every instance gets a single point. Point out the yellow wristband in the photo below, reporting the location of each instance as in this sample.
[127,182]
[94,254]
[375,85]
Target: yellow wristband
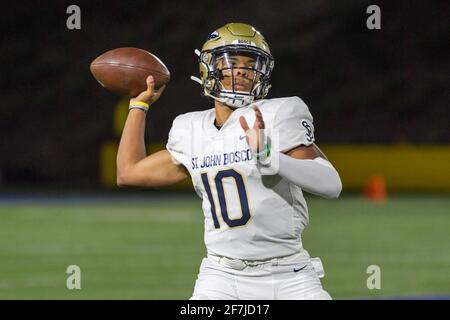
[139,105]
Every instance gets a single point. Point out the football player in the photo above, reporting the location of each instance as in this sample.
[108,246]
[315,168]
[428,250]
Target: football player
[250,160]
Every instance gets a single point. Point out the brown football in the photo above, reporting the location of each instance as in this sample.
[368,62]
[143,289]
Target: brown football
[124,70]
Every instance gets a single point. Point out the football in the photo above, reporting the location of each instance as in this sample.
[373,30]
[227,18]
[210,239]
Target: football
[124,70]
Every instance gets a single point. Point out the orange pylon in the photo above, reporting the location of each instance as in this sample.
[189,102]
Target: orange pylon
[375,189]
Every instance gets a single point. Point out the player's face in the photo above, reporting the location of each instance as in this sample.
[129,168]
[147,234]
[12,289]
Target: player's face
[237,70]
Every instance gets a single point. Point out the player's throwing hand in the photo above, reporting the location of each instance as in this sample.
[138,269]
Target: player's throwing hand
[150,95]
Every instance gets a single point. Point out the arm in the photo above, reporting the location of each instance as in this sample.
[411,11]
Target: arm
[310,169]
[134,168]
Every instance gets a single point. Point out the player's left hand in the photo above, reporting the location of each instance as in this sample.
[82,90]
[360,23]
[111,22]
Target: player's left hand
[255,136]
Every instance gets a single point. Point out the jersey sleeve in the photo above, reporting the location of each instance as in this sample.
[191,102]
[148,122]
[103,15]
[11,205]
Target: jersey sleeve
[175,142]
[294,124]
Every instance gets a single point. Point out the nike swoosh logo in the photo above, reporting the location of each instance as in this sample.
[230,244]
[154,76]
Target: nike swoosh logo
[242,137]
[297,270]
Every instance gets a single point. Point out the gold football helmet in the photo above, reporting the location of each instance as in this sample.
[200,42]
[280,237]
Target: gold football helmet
[235,65]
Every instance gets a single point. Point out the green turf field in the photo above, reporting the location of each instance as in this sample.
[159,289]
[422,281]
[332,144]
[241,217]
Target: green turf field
[151,249]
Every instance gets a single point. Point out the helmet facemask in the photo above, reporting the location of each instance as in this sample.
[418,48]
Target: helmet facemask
[236,75]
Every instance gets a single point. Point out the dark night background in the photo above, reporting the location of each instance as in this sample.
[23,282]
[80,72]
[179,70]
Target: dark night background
[383,86]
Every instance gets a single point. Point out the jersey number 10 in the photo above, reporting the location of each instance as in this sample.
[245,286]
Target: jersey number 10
[221,195]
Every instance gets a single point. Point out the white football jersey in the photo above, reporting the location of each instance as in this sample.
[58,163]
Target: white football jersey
[248,214]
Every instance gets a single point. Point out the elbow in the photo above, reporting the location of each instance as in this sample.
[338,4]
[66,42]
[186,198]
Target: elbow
[335,192]
[123,179]
[331,189]
[334,189]
[129,179]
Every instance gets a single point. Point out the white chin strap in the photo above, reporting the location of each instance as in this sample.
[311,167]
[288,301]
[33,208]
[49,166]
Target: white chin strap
[231,99]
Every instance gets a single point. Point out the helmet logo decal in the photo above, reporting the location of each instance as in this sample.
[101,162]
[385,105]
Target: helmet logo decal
[213,35]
